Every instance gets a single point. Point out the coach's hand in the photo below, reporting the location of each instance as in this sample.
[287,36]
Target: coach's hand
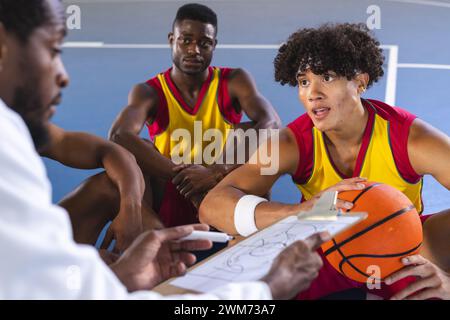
[432,282]
[193,179]
[344,185]
[158,255]
[296,267]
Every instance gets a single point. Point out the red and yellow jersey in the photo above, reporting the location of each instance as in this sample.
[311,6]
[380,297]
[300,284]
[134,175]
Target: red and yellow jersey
[383,155]
[213,110]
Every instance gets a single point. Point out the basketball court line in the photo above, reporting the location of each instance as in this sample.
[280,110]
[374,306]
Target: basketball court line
[102,45]
[392,67]
[392,63]
[391,78]
[424,2]
[424,66]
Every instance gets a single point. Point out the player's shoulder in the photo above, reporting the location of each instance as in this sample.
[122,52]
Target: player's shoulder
[234,74]
[153,84]
[287,136]
[303,124]
[391,113]
[235,81]
[154,79]
[421,131]
[226,72]
[143,90]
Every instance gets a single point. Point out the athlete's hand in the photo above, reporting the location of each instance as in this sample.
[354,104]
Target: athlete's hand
[193,179]
[125,227]
[158,255]
[432,282]
[296,267]
[344,185]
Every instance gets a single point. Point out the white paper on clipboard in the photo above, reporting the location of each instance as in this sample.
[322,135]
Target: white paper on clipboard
[252,258]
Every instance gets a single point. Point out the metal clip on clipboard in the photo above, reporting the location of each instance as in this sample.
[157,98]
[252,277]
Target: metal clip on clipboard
[325,209]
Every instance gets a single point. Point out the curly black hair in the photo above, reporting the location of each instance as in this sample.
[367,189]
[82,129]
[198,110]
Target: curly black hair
[344,48]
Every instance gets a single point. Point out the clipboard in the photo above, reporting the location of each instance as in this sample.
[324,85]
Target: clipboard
[252,258]
[325,210]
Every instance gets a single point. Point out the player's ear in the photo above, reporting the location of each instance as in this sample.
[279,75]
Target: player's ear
[170,37]
[362,80]
[215,43]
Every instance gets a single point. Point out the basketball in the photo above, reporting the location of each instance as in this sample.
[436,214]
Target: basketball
[374,247]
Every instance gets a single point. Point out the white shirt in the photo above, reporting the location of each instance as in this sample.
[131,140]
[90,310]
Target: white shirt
[38,257]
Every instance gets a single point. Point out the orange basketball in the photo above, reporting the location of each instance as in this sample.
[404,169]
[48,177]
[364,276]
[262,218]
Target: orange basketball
[374,247]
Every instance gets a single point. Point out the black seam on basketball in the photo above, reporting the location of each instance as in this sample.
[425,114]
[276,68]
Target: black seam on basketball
[393,255]
[354,268]
[341,264]
[378,256]
[364,191]
[344,260]
[373,226]
[342,255]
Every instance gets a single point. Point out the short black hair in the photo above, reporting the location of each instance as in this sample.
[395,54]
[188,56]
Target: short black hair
[344,48]
[22,17]
[196,12]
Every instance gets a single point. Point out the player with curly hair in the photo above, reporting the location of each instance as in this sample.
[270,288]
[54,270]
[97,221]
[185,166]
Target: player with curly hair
[341,138]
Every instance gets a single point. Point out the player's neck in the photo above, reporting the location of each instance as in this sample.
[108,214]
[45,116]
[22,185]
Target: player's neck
[188,82]
[351,132]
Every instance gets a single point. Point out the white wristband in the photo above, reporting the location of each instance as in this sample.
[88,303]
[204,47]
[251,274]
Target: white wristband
[244,214]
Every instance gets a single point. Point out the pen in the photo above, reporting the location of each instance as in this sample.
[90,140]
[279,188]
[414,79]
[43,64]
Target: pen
[208,235]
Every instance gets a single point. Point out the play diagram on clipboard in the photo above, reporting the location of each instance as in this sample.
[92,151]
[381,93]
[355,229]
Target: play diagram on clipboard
[252,258]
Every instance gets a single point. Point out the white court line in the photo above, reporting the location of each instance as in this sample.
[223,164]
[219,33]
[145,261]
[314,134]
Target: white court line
[424,66]
[392,68]
[391,82]
[81,44]
[391,79]
[99,44]
[425,2]
[102,45]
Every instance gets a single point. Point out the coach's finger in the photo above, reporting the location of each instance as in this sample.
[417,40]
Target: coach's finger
[317,239]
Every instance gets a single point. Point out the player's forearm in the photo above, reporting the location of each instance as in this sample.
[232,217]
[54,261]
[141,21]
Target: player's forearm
[123,170]
[222,216]
[147,156]
[267,213]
